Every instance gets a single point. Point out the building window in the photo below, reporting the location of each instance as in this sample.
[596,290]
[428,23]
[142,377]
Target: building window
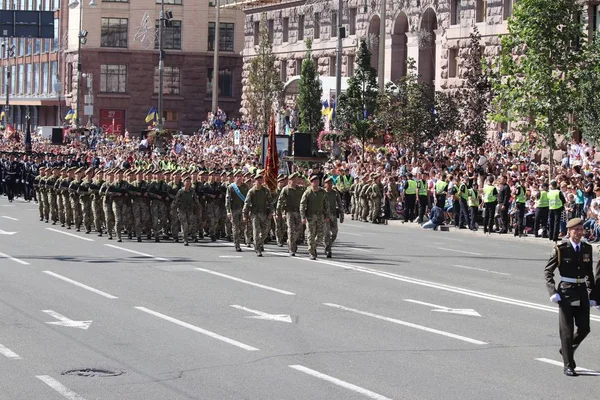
[334,23]
[317,26]
[481,11]
[56,40]
[21,80]
[36,46]
[13,79]
[352,21]
[170,116]
[45,77]
[256,33]
[455,12]
[225,82]
[171,80]
[114,32]
[29,75]
[54,75]
[36,78]
[29,44]
[171,35]
[271,27]
[226,35]
[178,2]
[300,27]
[452,62]
[596,18]
[121,1]
[211,3]
[286,29]
[332,65]
[283,70]
[298,66]
[113,78]
[350,65]
[507,9]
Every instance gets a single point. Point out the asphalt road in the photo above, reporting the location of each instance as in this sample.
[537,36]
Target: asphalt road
[397,313]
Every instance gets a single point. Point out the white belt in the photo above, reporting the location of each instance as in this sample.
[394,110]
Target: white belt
[573,280]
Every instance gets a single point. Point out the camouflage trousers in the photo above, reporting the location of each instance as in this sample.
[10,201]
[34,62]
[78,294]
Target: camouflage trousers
[364,202]
[237,227]
[68,209]
[294,229]
[98,213]
[53,199]
[60,206]
[228,228]
[187,222]
[160,221]
[137,209]
[40,196]
[127,215]
[46,200]
[120,211]
[260,228]
[109,215]
[86,211]
[353,207]
[375,205]
[199,222]
[330,232]
[77,212]
[212,216]
[280,229]
[315,225]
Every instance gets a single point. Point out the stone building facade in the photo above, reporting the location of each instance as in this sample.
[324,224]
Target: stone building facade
[434,33]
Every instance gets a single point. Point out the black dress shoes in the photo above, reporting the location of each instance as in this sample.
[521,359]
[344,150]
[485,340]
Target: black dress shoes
[570,372]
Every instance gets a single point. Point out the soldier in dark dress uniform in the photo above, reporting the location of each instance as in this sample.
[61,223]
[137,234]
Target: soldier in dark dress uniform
[574,293]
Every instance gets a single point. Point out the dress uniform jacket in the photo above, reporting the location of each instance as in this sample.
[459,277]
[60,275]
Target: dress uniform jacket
[574,265]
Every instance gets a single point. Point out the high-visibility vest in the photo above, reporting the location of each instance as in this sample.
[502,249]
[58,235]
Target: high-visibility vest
[488,194]
[554,201]
[422,187]
[521,198]
[412,187]
[543,201]
[473,198]
[463,191]
[440,186]
[347,181]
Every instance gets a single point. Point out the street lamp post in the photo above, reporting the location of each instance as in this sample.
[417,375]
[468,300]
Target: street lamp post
[215,77]
[82,36]
[10,51]
[381,58]
[338,59]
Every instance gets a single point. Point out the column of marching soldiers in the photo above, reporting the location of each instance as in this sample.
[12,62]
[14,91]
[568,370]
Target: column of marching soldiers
[189,204]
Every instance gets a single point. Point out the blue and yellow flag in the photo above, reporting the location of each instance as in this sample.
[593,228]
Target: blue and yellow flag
[326,109]
[70,115]
[152,115]
[2,115]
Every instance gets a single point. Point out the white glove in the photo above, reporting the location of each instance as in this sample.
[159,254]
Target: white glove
[555,298]
[592,303]
[597,307]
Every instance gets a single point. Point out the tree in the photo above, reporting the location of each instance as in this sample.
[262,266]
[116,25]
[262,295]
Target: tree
[413,112]
[356,108]
[588,113]
[535,77]
[475,98]
[264,84]
[309,96]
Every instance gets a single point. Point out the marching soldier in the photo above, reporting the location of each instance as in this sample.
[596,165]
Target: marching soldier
[74,198]
[258,207]
[96,200]
[107,204]
[85,199]
[376,196]
[234,204]
[335,211]
[158,193]
[138,190]
[314,211]
[279,223]
[288,204]
[575,293]
[185,203]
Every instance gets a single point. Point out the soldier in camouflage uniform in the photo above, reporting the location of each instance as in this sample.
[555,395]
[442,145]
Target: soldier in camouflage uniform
[85,199]
[52,196]
[74,198]
[158,194]
[37,186]
[353,202]
[279,225]
[258,207]
[58,190]
[288,205]
[364,199]
[212,192]
[314,211]
[66,198]
[175,185]
[185,204]
[107,204]
[138,191]
[198,187]
[336,209]
[146,216]
[234,204]
[119,191]
[96,201]
[376,195]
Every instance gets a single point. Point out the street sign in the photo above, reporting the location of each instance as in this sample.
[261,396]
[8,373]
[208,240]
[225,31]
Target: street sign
[30,24]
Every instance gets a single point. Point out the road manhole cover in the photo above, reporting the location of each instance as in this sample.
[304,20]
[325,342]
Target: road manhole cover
[93,373]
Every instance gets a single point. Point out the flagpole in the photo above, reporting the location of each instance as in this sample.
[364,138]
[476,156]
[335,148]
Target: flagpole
[161,60]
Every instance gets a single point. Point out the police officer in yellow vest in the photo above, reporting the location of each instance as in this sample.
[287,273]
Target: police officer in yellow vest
[490,202]
[520,200]
[410,198]
[463,197]
[541,212]
[474,202]
[556,205]
[423,198]
[441,189]
[345,181]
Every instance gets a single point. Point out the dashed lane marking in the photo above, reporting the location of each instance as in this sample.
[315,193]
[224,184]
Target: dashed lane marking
[561,364]
[59,387]
[81,285]
[258,285]
[8,353]
[10,218]
[460,251]
[136,252]
[481,269]
[70,234]
[3,255]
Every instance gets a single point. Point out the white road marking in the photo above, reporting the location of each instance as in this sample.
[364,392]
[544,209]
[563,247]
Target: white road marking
[481,269]
[350,233]
[354,225]
[2,255]
[81,285]
[6,233]
[70,234]
[460,251]
[561,364]
[136,252]
[197,329]
[233,278]
[11,218]
[440,286]
[461,311]
[355,249]
[339,382]
[59,387]
[264,315]
[64,321]
[8,205]
[8,353]
[230,256]
[407,324]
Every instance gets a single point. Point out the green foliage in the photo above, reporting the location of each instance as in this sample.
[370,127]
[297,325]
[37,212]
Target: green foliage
[309,96]
[535,77]
[475,98]
[264,84]
[357,106]
[588,115]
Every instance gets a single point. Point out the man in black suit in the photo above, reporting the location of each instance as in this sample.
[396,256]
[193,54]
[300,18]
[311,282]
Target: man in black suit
[575,293]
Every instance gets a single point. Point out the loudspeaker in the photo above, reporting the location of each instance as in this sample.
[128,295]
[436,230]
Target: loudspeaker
[57,135]
[302,145]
